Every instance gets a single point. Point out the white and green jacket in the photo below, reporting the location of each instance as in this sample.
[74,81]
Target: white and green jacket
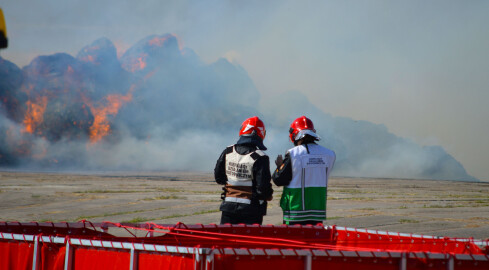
[307,167]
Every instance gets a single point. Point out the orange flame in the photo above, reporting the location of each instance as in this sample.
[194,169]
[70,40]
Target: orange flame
[158,41]
[137,64]
[88,58]
[35,113]
[141,63]
[101,126]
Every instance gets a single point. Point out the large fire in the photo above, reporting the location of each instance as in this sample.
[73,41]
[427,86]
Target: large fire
[62,98]
[34,114]
[101,125]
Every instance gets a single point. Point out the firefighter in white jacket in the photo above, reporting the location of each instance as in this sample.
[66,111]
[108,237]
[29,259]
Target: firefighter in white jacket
[304,175]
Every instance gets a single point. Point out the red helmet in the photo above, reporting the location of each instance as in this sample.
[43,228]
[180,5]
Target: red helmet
[253,125]
[303,124]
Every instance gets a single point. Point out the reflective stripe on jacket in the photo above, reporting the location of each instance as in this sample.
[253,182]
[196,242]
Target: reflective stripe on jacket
[304,198]
[237,197]
[239,171]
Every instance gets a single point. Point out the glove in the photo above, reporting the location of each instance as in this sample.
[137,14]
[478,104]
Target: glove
[279,161]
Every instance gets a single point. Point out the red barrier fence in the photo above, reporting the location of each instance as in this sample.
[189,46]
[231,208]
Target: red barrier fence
[85,245]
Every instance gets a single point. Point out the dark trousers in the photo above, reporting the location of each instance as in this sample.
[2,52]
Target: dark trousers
[233,218]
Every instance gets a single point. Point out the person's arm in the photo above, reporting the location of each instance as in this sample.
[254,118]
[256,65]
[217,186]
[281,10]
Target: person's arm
[283,174]
[261,172]
[220,169]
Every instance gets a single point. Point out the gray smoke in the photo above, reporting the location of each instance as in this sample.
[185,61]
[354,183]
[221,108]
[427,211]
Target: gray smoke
[176,113]
[364,149]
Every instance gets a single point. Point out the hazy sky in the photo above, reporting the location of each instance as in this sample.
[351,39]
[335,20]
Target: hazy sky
[419,67]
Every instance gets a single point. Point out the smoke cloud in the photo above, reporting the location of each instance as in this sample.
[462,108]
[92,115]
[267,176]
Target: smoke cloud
[160,107]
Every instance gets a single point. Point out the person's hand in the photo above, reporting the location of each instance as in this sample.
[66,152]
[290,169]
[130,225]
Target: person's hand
[279,161]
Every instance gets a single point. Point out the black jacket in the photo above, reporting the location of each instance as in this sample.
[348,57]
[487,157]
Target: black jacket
[262,187]
[283,174]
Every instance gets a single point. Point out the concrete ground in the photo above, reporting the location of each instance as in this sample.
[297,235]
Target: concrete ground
[441,208]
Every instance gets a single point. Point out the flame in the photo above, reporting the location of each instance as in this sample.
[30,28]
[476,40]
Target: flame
[158,41]
[25,147]
[138,64]
[34,114]
[88,58]
[141,64]
[101,126]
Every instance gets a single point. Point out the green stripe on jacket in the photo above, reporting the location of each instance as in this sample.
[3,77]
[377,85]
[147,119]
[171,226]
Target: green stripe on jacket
[311,206]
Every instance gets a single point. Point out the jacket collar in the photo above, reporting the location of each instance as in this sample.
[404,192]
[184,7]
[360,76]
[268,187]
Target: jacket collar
[253,140]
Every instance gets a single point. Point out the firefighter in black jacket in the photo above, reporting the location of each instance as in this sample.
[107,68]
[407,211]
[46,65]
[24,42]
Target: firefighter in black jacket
[244,170]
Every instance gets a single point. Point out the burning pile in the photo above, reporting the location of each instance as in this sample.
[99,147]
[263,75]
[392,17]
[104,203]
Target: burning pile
[158,106]
[93,98]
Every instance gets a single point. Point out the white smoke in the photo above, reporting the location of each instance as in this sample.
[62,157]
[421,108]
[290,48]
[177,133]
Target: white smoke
[182,113]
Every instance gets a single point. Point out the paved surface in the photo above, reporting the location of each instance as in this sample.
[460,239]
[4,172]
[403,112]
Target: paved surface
[442,208]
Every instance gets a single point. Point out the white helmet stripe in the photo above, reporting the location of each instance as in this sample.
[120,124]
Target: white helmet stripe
[248,127]
[305,132]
